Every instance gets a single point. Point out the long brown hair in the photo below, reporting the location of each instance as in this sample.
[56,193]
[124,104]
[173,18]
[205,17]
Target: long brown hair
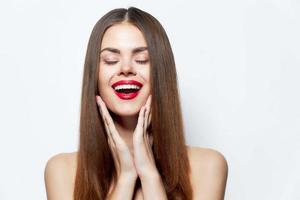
[95,166]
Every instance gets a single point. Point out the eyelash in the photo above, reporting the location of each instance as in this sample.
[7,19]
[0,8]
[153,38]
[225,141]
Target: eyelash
[114,62]
[110,63]
[141,61]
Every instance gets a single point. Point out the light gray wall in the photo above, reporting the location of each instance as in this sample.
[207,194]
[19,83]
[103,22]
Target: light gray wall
[238,64]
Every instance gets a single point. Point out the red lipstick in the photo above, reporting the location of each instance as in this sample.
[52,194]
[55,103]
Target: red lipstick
[130,82]
[127,96]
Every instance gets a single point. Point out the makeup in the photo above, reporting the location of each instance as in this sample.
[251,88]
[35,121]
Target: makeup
[127,89]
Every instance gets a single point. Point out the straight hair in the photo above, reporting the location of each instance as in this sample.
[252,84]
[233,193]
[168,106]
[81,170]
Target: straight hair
[95,166]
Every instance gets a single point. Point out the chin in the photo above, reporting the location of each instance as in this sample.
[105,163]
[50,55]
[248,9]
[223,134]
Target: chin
[126,113]
[125,109]
[131,114]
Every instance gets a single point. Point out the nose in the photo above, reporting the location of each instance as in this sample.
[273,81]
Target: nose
[127,68]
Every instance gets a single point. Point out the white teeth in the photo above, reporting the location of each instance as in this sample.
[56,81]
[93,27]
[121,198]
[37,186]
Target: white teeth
[126,87]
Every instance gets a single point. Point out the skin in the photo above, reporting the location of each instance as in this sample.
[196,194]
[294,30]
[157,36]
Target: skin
[126,127]
[125,123]
[124,66]
[208,176]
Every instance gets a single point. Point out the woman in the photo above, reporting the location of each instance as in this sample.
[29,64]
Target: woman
[132,143]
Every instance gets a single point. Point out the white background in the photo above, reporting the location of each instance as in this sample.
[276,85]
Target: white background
[238,65]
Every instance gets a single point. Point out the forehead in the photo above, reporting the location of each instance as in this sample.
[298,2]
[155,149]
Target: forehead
[124,36]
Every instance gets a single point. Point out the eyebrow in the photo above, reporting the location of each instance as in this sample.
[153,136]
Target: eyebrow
[114,50]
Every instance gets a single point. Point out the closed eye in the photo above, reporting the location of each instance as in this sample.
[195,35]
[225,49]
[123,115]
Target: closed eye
[110,62]
[114,62]
[141,61]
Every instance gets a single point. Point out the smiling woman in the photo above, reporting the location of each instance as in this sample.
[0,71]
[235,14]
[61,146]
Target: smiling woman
[124,62]
[132,143]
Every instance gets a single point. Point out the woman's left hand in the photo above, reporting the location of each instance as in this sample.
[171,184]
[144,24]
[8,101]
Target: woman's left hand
[142,144]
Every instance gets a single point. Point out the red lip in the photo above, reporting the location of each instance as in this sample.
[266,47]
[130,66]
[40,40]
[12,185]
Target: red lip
[129,95]
[123,82]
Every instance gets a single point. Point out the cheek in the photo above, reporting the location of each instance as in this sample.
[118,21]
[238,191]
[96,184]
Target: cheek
[145,74]
[103,79]
[105,74]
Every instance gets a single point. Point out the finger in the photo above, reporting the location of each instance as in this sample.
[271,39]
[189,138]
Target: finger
[114,154]
[140,122]
[150,111]
[98,98]
[147,136]
[116,161]
[148,107]
[145,121]
[114,133]
[149,143]
[148,102]
[112,145]
[110,140]
[99,105]
[109,134]
[149,118]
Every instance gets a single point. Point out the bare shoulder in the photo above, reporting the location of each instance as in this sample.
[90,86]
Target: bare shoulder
[59,175]
[207,158]
[209,172]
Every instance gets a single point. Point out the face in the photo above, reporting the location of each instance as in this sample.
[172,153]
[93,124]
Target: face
[124,57]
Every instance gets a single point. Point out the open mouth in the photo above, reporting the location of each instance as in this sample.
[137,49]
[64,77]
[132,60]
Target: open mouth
[127,89]
[127,92]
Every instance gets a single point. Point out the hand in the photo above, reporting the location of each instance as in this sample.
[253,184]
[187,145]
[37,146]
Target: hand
[121,154]
[142,143]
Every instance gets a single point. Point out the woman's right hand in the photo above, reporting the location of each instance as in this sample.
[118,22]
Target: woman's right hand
[121,154]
